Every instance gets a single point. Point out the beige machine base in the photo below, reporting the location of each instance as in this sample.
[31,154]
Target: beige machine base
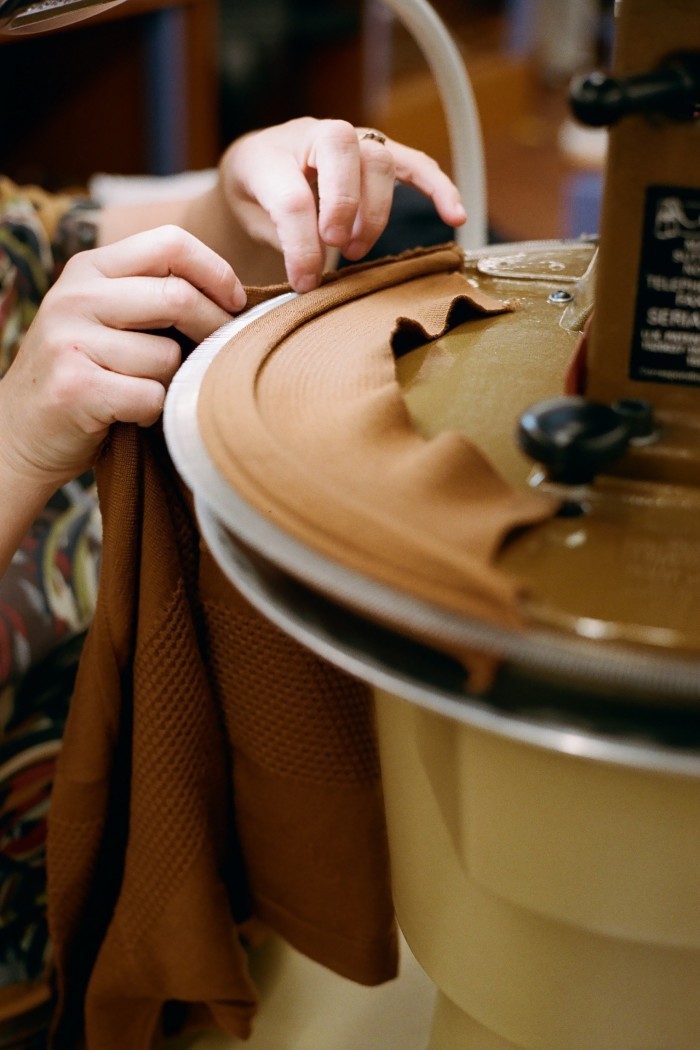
[452,1027]
[552,898]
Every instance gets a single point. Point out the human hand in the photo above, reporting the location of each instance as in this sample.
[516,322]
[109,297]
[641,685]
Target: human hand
[91,358]
[309,185]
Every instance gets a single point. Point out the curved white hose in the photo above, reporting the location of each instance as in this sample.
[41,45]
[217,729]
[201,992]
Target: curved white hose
[463,125]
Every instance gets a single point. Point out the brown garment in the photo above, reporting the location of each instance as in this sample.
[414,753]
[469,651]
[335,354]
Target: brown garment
[213,771]
[200,735]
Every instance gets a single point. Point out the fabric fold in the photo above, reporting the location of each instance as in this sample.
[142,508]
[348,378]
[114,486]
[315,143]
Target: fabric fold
[303,415]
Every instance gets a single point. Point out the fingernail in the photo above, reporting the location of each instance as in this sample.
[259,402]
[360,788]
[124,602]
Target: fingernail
[355,250]
[306,282]
[239,296]
[335,235]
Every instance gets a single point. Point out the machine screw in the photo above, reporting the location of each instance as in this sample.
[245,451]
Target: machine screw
[560,297]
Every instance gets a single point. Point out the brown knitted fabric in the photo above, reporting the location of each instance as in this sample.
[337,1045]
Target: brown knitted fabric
[212,770]
[303,414]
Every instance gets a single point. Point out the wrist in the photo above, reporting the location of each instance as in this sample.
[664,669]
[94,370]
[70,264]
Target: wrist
[20,474]
[22,498]
[24,481]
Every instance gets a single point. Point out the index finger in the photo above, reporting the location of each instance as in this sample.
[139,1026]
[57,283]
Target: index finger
[284,193]
[168,250]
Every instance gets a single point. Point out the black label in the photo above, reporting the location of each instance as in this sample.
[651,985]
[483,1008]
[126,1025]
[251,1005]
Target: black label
[666,338]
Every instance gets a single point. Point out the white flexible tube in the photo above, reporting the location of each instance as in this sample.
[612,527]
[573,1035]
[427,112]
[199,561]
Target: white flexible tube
[463,125]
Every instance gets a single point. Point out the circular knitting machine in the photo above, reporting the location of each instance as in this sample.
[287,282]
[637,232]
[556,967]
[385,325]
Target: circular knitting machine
[471,478]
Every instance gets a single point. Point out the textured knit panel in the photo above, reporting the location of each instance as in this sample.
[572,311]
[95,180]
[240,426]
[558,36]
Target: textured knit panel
[309,807]
[318,730]
[175,769]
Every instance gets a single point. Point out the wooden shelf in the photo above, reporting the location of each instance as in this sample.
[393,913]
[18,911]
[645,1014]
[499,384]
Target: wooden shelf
[134,91]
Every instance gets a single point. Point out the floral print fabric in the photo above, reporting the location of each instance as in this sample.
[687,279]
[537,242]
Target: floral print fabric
[47,597]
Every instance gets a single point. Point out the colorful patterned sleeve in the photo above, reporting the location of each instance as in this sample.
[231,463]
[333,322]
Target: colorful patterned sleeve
[47,598]
[29,219]
[47,594]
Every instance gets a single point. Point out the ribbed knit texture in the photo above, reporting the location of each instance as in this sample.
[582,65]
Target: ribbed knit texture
[303,414]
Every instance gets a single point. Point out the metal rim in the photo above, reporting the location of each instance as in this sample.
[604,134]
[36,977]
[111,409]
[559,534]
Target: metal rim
[539,649]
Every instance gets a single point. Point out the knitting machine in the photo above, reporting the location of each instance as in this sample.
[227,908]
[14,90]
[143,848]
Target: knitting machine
[543,824]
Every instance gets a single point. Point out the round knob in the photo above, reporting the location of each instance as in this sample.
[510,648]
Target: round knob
[573,438]
[638,416]
[600,100]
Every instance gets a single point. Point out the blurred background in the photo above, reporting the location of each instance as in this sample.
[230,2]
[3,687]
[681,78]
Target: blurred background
[160,86]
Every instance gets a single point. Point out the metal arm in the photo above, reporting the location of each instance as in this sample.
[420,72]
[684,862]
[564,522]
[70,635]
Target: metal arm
[452,80]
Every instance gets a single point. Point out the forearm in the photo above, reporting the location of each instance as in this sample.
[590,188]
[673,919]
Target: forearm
[116,221]
[208,217]
[21,502]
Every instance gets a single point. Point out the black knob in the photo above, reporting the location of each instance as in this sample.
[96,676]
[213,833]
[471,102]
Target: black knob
[572,437]
[673,89]
[638,416]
